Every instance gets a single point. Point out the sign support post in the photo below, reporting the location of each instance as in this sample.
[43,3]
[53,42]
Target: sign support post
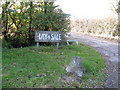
[37,44]
[57,45]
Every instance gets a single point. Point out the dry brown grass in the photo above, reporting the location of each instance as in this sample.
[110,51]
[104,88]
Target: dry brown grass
[106,27]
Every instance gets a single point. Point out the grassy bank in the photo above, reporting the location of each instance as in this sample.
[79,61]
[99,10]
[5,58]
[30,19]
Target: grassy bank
[44,66]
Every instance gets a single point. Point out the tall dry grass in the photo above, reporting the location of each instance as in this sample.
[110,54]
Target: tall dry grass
[106,27]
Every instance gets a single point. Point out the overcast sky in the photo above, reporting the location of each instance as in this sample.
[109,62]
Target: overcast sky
[87,8]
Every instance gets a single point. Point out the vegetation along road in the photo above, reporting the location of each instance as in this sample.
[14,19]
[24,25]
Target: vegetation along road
[109,50]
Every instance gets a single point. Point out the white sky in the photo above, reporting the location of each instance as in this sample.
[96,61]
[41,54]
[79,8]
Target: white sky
[87,8]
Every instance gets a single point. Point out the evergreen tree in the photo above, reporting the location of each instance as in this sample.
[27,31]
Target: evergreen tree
[20,21]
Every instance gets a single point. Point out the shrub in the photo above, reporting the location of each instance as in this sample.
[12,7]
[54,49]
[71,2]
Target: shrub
[6,44]
[19,22]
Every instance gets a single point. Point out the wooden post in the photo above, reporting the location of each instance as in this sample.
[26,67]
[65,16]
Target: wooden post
[57,45]
[67,42]
[77,42]
[37,44]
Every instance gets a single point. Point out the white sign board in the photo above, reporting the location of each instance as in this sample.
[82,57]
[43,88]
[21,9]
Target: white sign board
[47,36]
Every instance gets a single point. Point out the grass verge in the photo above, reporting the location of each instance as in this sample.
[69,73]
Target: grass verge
[42,67]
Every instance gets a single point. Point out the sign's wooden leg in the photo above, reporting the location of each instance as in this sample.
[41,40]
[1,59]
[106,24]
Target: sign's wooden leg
[37,44]
[77,42]
[68,43]
[57,45]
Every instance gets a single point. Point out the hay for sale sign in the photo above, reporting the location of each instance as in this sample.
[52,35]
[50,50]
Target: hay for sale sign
[47,36]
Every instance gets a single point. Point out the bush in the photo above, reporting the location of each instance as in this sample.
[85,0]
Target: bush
[6,44]
[19,22]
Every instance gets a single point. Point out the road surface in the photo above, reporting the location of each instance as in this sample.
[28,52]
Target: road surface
[109,50]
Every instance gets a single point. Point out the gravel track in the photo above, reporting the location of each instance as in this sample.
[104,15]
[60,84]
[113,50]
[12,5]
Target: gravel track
[109,50]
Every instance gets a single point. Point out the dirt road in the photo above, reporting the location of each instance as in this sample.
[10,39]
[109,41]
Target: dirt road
[109,50]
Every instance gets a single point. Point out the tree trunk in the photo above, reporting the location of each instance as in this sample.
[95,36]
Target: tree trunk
[5,19]
[30,24]
[45,11]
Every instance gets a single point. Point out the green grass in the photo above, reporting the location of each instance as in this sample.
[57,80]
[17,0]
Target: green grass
[43,66]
